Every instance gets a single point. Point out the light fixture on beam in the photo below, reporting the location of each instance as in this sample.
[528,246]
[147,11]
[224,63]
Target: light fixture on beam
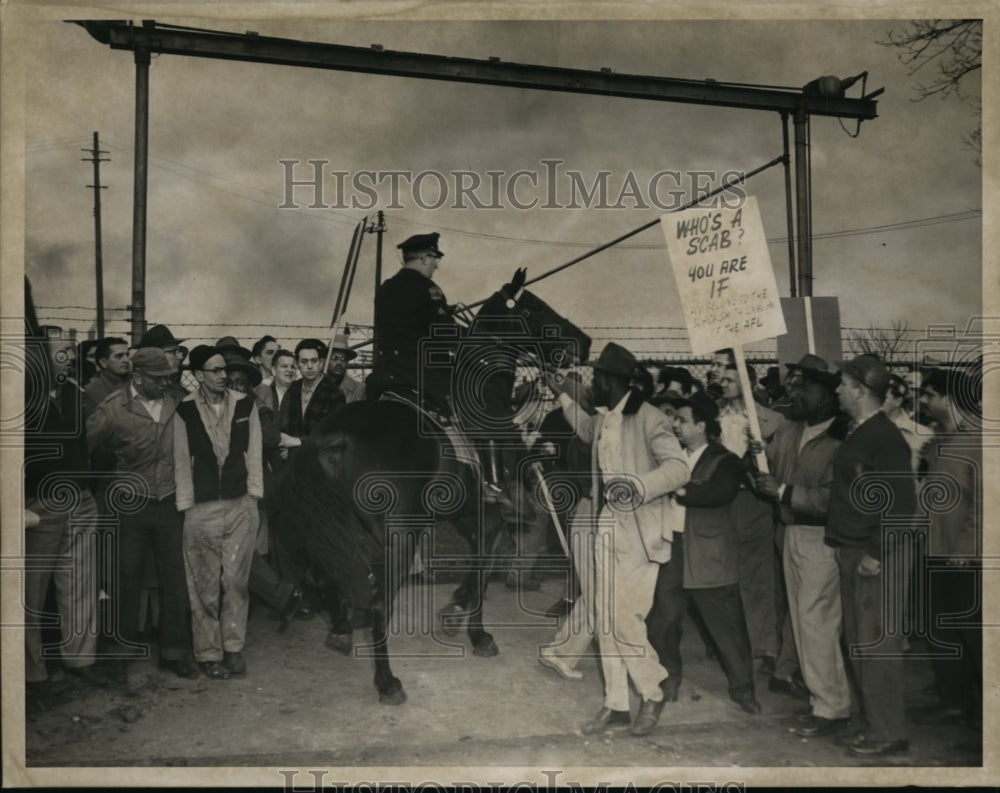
[832,87]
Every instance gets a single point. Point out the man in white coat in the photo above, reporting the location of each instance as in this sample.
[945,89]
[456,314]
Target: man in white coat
[637,462]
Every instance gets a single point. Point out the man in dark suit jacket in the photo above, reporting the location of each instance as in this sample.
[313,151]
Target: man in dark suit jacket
[874,457]
[312,398]
[703,565]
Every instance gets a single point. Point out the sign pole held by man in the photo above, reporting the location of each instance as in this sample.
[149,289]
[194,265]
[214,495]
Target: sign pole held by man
[726,283]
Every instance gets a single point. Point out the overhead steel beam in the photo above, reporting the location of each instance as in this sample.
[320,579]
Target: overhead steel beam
[250,47]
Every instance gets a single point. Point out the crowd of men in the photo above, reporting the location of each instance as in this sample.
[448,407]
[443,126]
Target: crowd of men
[187,479]
[796,569]
[804,566]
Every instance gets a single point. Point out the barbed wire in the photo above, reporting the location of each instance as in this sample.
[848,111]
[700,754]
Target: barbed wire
[360,326]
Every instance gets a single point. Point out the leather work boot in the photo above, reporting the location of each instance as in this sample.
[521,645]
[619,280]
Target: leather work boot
[647,717]
[606,719]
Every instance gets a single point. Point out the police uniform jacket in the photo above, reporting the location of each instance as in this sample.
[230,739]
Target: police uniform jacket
[407,307]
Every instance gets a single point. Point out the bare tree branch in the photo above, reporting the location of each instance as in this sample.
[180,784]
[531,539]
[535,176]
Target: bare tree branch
[889,344]
[956,47]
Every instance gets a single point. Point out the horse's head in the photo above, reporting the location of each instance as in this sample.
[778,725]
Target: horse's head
[533,327]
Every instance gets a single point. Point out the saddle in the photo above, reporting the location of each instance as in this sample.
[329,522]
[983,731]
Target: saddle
[465,450]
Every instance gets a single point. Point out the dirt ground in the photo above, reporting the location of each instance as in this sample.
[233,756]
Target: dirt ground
[302,705]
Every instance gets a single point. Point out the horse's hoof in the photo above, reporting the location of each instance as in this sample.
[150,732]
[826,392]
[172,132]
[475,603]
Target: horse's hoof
[397,697]
[451,617]
[486,648]
[341,642]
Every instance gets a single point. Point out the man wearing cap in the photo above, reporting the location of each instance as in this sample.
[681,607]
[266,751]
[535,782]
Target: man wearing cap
[219,477]
[408,307]
[136,426]
[636,463]
[872,483]
[111,355]
[160,336]
[340,355]
[800,456]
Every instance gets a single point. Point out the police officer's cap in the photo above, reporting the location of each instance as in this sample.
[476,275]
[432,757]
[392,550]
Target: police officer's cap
[420,243]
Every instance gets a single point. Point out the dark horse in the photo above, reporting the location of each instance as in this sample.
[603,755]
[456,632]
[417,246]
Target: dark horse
[373,476]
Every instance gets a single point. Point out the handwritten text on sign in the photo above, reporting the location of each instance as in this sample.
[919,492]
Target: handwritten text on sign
[724,276]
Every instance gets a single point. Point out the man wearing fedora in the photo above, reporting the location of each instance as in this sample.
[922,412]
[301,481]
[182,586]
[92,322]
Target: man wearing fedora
[800,456]
[160,336]
[873,458]
[340,355]
[135,426]
[636,463]
[219,479]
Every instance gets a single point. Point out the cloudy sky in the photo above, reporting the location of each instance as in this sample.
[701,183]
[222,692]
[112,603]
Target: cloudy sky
[223,257]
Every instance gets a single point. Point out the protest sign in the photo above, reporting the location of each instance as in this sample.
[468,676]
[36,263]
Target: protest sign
[726,284]
[724,276]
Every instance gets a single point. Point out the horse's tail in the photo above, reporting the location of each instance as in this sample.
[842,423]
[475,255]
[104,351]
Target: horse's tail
[318,525]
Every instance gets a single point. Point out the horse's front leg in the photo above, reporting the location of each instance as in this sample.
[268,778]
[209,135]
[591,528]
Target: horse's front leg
[472,593]
[340,636]
[387,578]
[390,689]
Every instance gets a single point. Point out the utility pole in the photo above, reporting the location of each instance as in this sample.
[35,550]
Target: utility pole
[378,228]
[138,306]
[98,260]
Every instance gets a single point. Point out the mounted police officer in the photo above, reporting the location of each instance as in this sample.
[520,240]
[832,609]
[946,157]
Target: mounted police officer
[408,308]
[411,309]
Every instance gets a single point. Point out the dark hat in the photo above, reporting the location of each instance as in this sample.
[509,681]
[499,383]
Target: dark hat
[815,368]
[158,336]
[773,377]
[869,371]
[152,361]
[236,361]
[230,343]
[615,359]
[809,361]
[667,396]
[421,242]
[701,402]
[340,345]
[200,354]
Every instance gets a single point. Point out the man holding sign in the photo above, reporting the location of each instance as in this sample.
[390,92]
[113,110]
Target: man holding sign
[726,283]
[754,518]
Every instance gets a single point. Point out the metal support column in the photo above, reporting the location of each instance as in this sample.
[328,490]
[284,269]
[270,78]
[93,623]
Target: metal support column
[139,195]
[803,208]
[789,213]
